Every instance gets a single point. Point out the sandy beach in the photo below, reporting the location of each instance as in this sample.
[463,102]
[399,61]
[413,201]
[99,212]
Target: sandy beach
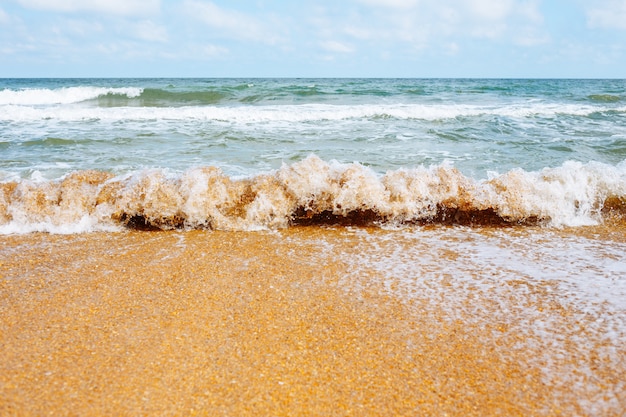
[271,323]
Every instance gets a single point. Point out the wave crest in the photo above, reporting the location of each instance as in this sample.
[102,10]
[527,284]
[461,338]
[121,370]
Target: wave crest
[312,191]
[65,95]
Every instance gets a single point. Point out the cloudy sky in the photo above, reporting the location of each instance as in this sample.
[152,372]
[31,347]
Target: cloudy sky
[323,38]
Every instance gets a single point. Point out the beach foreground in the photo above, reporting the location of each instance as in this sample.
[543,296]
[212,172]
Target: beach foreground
[308,321]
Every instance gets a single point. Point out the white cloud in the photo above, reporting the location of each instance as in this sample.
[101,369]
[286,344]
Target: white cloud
[112,7]
[195,52]
[150,31]
[392,4]
[530,11]
[358,32]
[492,31]
[230,23]
[452,48]
[376,26]
[220,18]
[491,9]
[4,17]
[433,23]
[530,37]
[212,51]
[609,14]
[335,46]
[79,27]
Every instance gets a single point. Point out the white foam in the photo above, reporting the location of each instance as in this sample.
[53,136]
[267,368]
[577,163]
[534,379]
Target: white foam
[86,224]
[570,195]
[65,95]
[588,273]
[563,294]
[16,108]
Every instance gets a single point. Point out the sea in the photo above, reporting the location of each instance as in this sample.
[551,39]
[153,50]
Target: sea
[447,187]
[80,155]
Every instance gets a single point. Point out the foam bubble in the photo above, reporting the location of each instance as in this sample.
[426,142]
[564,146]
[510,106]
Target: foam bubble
[570,195]
[21,106]
[561,294]
[315,191]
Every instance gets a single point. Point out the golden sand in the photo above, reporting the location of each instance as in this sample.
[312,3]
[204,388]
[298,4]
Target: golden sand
[227,323]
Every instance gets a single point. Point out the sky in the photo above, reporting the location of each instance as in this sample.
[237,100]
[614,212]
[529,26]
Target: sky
[323,38]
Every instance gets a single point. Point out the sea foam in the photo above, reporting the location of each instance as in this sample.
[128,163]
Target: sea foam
[312,191]
[65,95]
[27,105]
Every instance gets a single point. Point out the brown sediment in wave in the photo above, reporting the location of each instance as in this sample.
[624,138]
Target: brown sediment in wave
[443,216]
[311,192]
[615,207]
[231,323]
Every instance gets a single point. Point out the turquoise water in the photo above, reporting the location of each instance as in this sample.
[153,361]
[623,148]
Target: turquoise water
[50,127]
[191,152]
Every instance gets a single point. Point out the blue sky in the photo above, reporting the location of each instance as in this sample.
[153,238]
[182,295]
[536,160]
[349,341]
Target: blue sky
[324,38]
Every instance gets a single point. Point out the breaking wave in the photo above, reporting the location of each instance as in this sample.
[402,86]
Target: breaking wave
[65,95]
[289,112]
[312,191]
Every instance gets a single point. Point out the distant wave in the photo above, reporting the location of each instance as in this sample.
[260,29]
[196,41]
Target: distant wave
[312,191]
[116,96]
[66,95]
[165,98]
[605,98]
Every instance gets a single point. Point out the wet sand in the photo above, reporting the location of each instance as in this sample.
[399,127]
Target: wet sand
[242,323]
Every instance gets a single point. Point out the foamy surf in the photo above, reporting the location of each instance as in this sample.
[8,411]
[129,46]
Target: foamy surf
[246,127]
[312,191]
[29,107]
[64,95]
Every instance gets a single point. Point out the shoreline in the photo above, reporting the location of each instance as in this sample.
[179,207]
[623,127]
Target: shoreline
[240,323]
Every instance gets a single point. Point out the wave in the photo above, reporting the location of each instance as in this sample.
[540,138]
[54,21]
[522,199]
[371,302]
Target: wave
[66,95]
[111,96]
[604,98]
[295,112]
[312,191]
[159,97]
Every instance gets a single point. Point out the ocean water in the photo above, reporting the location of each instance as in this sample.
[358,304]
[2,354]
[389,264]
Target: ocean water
[242,154]
[501,202]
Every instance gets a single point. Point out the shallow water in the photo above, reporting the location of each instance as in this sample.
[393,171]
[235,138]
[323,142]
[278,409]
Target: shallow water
[555,296]
[466,321]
